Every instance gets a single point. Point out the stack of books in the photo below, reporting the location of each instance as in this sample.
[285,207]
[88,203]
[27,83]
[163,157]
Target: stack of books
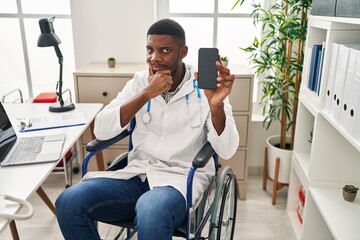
[316,62]
[301,203]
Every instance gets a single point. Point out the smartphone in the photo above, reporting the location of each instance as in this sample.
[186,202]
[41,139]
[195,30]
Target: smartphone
[207,70]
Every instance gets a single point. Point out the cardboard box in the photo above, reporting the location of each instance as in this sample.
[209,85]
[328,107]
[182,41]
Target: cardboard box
[348,8]
[324,7]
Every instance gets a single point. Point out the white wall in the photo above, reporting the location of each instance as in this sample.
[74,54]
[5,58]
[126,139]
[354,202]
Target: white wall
[257,142]
[104,28]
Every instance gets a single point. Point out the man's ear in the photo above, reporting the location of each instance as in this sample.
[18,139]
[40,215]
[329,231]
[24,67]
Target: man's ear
[183,51]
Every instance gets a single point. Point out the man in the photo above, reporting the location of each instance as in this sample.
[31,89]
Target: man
[174,119]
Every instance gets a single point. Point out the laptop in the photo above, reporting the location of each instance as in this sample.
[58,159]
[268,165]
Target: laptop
[28,150]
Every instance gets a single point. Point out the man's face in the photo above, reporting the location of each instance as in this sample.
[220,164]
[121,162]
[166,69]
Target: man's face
[163,52]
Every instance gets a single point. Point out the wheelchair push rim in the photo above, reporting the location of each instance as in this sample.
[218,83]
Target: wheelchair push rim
[223,219]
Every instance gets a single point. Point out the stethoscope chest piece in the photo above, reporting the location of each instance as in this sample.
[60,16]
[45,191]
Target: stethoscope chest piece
[146,118]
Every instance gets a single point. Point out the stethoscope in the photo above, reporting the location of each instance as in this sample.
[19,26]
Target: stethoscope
[146,118]
[22,202]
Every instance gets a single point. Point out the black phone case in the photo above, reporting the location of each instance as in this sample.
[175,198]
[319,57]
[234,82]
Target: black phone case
[207,70]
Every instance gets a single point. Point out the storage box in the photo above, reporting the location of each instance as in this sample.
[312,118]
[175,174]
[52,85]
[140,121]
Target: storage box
[348,8]
[323,7]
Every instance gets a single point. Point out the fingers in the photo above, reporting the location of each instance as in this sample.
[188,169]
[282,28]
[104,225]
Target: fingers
[222,70]
[159,82]
[225,81]
[228,78]
[169,81]
[151,71]
[164,82]
[224,78]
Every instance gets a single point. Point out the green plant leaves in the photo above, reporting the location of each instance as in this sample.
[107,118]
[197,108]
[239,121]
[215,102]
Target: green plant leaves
[277,58]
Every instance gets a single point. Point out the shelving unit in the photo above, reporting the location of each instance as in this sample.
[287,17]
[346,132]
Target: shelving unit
[332,159]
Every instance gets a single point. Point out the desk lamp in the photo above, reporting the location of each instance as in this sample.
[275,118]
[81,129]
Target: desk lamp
[48,38]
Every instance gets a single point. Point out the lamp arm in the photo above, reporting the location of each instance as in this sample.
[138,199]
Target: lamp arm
[59,85]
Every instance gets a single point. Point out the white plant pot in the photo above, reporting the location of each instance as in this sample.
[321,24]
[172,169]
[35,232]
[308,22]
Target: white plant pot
[285,159]
[224,62]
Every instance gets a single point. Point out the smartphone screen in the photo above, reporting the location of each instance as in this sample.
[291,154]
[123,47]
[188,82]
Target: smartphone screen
[207,70]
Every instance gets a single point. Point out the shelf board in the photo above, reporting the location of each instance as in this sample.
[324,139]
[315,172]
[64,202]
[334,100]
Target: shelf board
[335,19]
[301,162]
[310,100]
[355,143]
[318,23]
[341,217]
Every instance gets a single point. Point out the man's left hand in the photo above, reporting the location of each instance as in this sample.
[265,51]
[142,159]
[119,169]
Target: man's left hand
[224,84]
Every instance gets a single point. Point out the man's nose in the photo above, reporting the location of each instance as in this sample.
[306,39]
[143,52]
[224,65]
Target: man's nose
[156,56]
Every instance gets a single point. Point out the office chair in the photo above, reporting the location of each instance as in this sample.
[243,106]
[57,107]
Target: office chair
[214,210]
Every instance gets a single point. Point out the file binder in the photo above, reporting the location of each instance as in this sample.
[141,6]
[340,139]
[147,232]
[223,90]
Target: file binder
[343,69]
[350,97]
[355,103]
[331,77]
[339,81]
[321,63]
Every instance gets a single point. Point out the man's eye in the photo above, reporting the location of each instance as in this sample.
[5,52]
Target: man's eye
[149,50]
[166,50]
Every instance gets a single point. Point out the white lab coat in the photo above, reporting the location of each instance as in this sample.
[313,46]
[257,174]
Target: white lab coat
[164,148]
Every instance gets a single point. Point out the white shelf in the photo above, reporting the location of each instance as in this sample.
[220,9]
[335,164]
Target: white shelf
[331,120]
[299,177]
[301,163]
[310,99]
[318,23]
[333,158]
[295,222]
[341,217]
[317,19]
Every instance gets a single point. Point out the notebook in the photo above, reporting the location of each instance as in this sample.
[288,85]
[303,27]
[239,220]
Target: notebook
[28,150]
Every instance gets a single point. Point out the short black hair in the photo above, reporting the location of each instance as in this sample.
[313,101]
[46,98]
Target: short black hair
[168,27]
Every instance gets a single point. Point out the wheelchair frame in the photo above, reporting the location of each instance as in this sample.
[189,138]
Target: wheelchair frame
[225,186]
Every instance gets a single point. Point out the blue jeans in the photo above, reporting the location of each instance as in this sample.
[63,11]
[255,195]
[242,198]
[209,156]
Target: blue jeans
[157,212]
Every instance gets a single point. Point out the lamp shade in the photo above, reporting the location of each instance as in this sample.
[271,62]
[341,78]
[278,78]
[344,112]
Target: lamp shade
[47,37]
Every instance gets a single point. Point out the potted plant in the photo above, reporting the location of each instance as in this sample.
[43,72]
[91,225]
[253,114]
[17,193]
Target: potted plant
[349,192]
[277,61]
[224,61]
[111,62]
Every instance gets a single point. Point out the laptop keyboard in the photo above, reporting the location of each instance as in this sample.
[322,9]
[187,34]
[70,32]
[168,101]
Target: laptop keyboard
[27,149]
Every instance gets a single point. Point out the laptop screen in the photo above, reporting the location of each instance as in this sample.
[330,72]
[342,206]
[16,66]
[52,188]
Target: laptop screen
[7,134]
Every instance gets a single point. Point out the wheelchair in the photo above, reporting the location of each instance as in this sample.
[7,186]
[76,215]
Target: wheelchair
[213,216]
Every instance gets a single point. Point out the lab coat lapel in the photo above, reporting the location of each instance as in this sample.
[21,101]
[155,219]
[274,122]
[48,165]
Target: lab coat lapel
[187,88]
[160,99]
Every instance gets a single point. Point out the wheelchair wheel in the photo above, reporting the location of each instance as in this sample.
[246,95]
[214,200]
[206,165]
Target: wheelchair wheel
[223,218]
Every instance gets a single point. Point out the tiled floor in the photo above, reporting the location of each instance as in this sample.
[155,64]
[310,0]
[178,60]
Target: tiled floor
[257,219]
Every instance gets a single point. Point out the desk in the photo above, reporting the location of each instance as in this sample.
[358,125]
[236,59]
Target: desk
[23,181]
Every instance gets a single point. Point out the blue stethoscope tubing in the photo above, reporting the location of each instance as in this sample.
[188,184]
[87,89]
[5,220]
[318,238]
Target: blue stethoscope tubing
[146,118]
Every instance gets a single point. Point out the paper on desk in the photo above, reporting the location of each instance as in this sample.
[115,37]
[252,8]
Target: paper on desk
[54,121]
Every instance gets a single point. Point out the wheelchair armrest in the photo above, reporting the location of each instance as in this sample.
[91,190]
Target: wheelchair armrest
[97,145]
[203,156]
